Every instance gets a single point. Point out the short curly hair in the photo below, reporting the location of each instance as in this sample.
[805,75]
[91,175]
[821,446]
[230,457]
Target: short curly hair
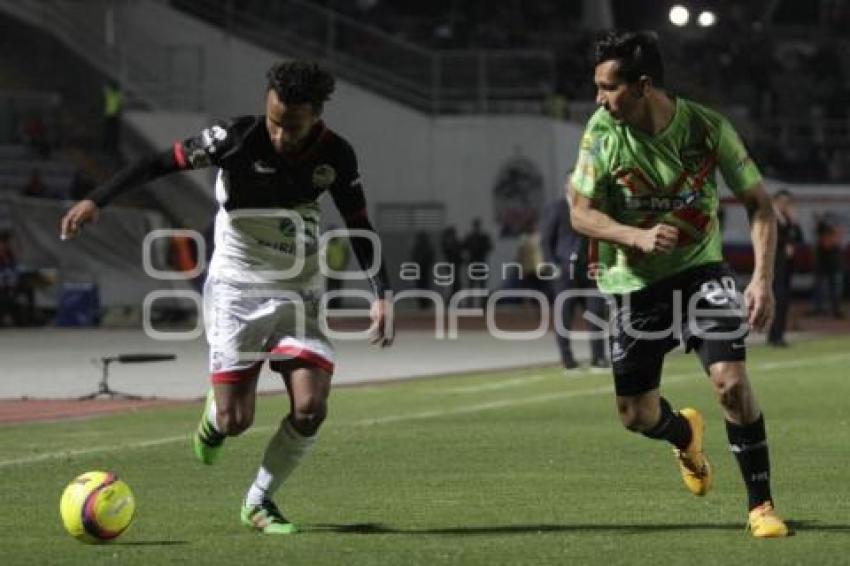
[297,82]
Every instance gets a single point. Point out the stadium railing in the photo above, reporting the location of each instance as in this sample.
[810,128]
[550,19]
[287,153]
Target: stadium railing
[435,81]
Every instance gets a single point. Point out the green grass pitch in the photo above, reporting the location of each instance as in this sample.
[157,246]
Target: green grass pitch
[521,467]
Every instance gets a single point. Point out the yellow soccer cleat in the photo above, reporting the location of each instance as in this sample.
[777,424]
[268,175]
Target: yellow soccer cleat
[696,471]
[765,523]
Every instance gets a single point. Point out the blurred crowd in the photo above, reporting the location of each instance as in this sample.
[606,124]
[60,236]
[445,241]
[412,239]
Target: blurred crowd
[781,66]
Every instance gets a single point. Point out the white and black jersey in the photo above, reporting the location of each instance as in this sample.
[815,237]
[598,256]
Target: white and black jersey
[267,226]
[254,176]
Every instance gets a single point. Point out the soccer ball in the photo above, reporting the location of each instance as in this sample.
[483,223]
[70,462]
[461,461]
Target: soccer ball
[97,507]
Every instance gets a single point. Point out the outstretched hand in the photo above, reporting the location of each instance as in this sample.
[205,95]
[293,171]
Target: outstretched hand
[79,215]
[382,323]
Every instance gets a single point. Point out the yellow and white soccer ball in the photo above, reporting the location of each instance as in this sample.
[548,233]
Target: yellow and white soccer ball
[97,507]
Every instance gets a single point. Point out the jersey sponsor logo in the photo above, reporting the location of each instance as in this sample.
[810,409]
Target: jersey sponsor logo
[286,247]
[263,168]
[660,203]
[324,176]
[289,247]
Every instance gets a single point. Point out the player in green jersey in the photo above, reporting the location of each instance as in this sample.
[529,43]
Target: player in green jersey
[644,189]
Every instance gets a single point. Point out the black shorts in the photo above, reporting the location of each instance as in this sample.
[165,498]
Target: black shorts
[700,307]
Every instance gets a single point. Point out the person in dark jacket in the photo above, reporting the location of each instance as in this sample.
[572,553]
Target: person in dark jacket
[788,235]
[567,249]
[477,245]
[423,254]
[828,266]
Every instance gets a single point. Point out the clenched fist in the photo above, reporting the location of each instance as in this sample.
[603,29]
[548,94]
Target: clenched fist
[660,238]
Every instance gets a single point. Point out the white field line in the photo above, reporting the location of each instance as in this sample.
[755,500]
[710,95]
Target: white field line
[804,362]
[476,408]
[492,386]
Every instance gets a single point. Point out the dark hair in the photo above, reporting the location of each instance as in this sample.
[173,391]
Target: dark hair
[783,193]
[297,82]
[636,52]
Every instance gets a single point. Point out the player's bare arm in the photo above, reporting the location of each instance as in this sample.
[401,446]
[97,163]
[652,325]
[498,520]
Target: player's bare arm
[661,238]
[380,314]
[759,293]
[350,200]
[381,329]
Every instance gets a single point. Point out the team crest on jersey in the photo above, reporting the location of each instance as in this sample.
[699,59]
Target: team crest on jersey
[324,176]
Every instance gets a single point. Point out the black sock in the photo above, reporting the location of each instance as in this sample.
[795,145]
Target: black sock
[749,445]
[672,427]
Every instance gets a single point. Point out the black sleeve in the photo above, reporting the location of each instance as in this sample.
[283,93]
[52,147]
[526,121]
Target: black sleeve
[348,196]
[138,173]
[207,148]
[210,147]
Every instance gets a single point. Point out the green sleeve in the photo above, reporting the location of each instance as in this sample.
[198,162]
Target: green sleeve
[739,170]
[590,174]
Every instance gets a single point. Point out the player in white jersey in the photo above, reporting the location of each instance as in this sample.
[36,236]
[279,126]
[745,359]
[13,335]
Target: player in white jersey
[263,286]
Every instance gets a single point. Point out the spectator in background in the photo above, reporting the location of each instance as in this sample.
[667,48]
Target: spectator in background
[828,267]
[34,134]
[113,105]
[566,248]
[8,281]
[452,250]
[337,255]
[557,106]
[35,187]
[788,235]
[530,257]
[422,255]
[478,246]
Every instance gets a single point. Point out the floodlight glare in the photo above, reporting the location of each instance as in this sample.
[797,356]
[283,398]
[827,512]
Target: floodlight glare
[679,15]
[706,19]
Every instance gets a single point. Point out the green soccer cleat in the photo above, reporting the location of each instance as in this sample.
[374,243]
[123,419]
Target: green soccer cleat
[266,518]
[207,441]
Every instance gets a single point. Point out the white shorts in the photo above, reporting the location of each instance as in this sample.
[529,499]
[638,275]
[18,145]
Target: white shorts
[246,326]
